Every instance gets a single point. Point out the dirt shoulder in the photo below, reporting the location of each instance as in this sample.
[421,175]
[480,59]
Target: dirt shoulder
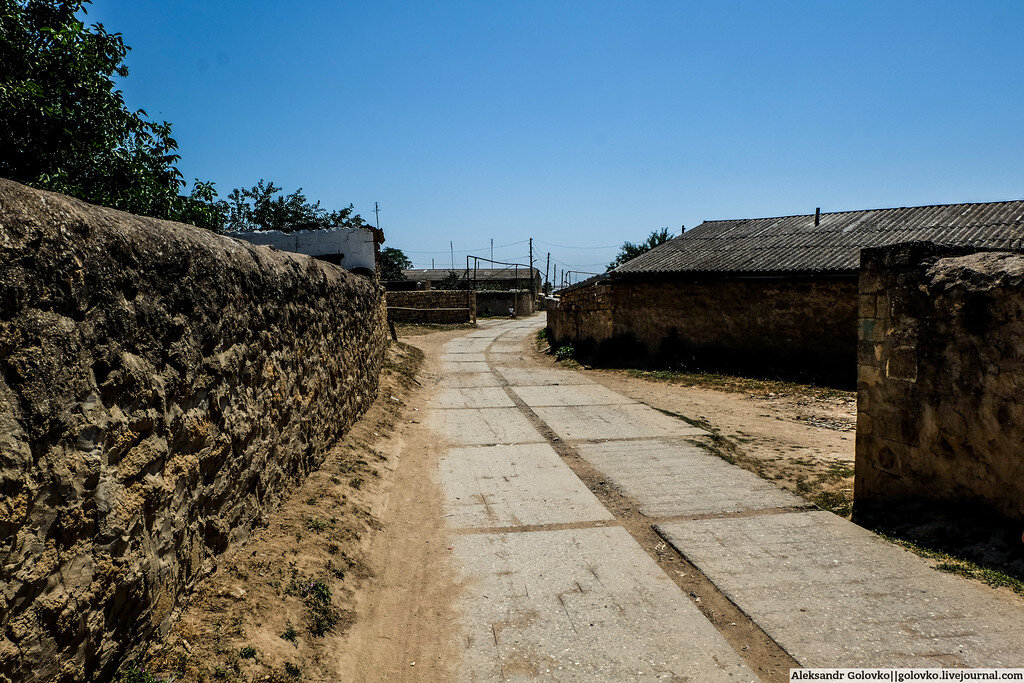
[406,623]
[337,552]
[800,436]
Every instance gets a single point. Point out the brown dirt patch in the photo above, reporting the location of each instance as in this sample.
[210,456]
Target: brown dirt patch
[406,624]
[418,329]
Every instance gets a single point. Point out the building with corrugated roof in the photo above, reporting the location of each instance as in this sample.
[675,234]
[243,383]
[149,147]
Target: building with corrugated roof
[774,295]
[504,279]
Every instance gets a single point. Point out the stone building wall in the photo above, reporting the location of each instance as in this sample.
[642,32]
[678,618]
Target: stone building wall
[444,306]
[806,327]
[497,303]
[160,386]
[941,372]
[582,317]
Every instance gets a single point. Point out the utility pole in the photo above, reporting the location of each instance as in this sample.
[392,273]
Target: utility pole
[451,245]
[376,211]
[531,267]
[431,262]
[547,269]
[492,249]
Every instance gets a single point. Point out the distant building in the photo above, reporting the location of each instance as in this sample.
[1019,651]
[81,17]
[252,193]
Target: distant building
[354,249]
[503,279]
[768,294]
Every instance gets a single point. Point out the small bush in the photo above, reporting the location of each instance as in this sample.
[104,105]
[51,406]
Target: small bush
[290,634]
[322,616]
[135,674]
[315,524]
[356,482]
[247,652]
[565,352]
[292,670]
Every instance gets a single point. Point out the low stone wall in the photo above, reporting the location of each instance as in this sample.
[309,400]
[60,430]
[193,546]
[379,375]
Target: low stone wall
[498,303]
[941,366]
[160,386]
[443,306]
[803,327]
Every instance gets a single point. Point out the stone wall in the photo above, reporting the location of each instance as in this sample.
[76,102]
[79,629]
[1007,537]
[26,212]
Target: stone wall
[497,303]
[160,386]
[802,327]
[582,317]
[941,368]
[444,306]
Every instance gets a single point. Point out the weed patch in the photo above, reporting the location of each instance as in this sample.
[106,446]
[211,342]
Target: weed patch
[952,564]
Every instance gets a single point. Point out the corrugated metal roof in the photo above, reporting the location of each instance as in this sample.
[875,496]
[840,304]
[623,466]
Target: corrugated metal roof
[792,244]
[438,274]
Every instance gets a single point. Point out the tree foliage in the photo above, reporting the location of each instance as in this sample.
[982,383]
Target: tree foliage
[452,281]
[630,251]
[64,125]
[263,207]
[392,263]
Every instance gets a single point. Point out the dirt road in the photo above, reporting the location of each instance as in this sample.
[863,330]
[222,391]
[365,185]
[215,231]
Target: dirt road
[548,526]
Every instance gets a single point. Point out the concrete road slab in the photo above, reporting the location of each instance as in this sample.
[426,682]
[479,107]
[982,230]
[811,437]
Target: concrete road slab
[630,421]
[472,379]
[578,395]
[482,426]
[502,346]
[464,356]
[834,594]
[455,366]
[464,344]
[520,485]
[473,397]
[523,377]
[580,605]
[671,479]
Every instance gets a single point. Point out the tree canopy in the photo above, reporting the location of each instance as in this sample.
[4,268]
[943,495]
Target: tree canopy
[630,251]
[64,125]
[392,262]
[262,207]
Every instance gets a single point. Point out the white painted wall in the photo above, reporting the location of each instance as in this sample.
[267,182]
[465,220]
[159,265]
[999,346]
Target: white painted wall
[354,244]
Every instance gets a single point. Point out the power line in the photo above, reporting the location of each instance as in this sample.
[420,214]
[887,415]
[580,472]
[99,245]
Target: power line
[566,246]
[465,251]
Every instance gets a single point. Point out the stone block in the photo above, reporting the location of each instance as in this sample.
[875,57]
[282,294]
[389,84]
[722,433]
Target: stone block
[902,364]
[866,305]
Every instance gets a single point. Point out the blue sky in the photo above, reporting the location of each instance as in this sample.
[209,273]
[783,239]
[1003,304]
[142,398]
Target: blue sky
[583,124]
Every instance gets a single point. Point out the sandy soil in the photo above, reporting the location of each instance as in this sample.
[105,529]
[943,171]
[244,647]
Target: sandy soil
[405,624]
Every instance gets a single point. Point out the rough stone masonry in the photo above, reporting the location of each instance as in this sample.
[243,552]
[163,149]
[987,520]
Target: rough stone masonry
[941,365]
[159,386]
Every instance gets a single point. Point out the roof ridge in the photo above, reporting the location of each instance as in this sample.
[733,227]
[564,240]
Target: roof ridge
[836,213]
